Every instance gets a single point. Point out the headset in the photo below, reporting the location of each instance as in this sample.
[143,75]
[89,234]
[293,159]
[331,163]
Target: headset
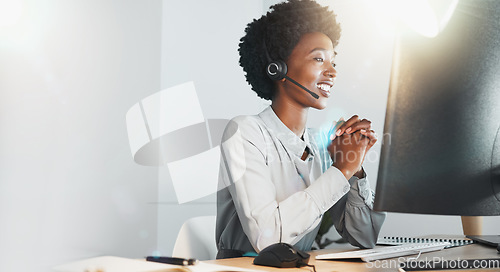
[277,70]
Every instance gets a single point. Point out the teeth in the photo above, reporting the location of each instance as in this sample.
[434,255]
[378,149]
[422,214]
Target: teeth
[324,87]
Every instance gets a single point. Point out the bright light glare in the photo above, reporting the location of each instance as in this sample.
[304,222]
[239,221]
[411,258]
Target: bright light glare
[426,17]
[419,16]
[10,12]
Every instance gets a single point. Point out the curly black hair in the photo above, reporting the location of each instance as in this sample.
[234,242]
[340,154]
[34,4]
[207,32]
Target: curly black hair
[278,32]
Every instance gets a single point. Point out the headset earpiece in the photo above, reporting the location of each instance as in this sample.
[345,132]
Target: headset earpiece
[276,70]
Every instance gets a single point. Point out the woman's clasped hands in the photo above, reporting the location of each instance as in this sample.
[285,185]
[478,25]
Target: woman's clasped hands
[350,144]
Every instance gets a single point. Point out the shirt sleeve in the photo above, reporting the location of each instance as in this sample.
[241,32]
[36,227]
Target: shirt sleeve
[246,174]
[354,217]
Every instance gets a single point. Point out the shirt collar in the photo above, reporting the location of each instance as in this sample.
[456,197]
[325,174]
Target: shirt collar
[290,141]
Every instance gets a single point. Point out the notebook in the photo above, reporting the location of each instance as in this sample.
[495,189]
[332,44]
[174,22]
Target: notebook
[393,241]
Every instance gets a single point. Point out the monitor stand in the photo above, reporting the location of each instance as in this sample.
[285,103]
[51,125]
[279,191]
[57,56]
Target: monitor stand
[472,225]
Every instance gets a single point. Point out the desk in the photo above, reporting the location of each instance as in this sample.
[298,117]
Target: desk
[474,251]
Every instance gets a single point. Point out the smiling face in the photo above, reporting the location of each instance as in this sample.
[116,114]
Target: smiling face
[311,64]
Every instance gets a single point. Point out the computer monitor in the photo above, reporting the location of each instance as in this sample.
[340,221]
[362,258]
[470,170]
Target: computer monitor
[441,145]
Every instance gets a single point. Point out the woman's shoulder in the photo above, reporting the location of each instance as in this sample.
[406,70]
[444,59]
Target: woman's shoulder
[250,127]
[246,121]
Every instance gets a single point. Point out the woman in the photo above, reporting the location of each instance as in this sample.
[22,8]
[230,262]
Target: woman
[276,182]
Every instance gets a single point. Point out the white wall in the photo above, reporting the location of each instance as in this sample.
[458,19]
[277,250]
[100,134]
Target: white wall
[69,189]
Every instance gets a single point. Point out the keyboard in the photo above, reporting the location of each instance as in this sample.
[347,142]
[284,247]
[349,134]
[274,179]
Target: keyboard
[368,255]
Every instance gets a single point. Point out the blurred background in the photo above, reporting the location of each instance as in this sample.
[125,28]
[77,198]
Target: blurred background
[71,70]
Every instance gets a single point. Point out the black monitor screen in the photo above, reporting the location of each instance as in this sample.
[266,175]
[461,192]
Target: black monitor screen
[441,145]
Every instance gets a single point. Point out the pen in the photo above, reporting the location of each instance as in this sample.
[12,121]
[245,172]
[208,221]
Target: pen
[172,260]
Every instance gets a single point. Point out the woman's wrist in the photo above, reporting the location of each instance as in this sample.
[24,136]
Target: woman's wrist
[347,173]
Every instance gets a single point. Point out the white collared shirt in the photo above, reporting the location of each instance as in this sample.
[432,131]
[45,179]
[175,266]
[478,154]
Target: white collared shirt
[267,193]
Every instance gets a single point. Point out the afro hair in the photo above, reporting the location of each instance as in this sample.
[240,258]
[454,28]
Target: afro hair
[278,32]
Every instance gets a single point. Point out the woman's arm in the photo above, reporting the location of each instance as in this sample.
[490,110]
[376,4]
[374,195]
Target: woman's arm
[354,217]
[246,173]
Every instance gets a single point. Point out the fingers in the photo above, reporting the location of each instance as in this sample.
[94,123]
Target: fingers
[354,119]
[353,124]
[359,128]
[348,151]
[362,124]
[356,139]
[359,138]
[371,135]
[335,127]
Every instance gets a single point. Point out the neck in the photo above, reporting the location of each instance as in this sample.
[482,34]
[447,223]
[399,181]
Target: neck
[292,115]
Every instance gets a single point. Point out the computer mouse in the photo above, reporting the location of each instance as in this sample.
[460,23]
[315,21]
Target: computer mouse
[282,255]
